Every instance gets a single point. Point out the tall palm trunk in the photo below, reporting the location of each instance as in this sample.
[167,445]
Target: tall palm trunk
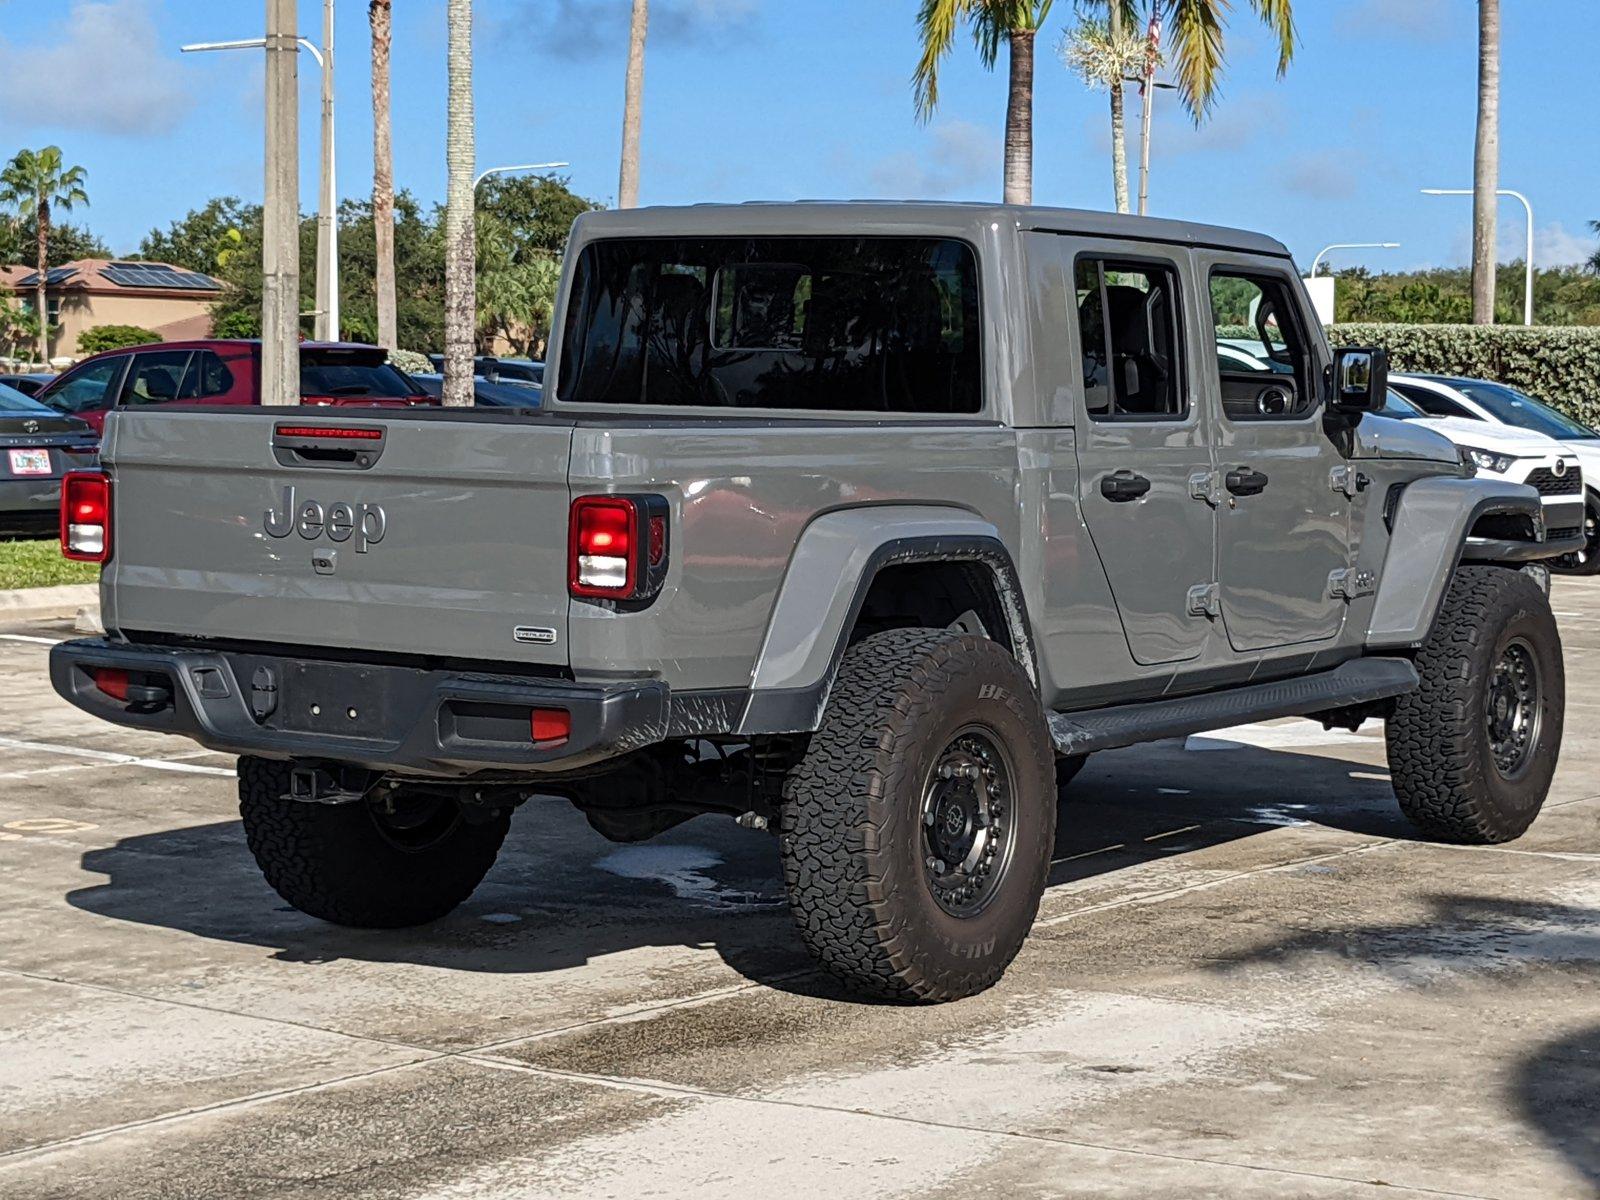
[1119,128]
[632,107]
[460,265]
[380,16]
[1486,164]
[40,301]
[1019,120]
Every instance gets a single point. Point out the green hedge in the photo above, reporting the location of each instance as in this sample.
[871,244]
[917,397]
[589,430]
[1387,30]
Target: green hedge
[114,337]
[1560,364]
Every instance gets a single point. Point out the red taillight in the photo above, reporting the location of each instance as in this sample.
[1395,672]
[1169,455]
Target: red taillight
[617,547]
[603,547]
[550,725]
[112,681]
[86,516]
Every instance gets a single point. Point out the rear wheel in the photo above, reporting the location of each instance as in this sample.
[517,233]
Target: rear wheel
[1473,750]
[917,828]
[403,861]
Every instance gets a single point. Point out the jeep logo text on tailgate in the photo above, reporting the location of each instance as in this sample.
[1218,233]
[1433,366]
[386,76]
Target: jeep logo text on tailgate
[340,521]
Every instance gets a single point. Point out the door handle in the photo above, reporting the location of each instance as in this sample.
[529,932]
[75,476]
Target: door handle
[1123,486]
[1245,481]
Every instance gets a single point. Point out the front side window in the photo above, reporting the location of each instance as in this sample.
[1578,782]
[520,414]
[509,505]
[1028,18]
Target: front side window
[1128,328]
[88,388]
[156,378]
[1263,358]
[859,324]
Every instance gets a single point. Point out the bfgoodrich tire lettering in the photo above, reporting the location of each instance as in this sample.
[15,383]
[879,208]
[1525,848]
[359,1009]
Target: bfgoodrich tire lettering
[1457,772]
[852,823]
[340,862]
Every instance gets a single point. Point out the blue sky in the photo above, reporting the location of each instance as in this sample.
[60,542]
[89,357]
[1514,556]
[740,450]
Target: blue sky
[782,99]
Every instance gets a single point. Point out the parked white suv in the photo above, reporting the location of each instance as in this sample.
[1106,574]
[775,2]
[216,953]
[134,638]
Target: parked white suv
[1516,455]
[1487,403]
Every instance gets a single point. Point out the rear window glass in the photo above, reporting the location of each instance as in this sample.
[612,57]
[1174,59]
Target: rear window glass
[335,378]
[847,324]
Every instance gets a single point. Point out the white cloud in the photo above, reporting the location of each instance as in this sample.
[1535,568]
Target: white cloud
[102,69]
[1554,245]
[1326,174]
[961,157]
[1425,20]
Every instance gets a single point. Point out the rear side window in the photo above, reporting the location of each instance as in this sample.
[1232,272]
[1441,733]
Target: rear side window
[1432,403]
[156,378]
[207,376]
[846,324]
[1128,326]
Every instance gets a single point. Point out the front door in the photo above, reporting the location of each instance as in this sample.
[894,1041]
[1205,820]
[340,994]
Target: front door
[1142,441]
[1283,529]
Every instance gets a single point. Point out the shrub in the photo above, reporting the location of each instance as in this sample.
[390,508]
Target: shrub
[1560,364]
[411,362]
[114,337]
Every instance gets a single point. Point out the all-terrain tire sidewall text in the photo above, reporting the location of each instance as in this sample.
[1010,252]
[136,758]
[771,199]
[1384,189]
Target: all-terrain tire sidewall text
[852,834]
[1440,750]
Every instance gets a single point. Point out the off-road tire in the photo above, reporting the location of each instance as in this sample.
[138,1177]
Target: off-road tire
[333,861]
[1440,757]
[852,839]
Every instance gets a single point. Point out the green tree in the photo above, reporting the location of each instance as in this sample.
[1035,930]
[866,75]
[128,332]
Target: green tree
[522,231]
[204,238]
[1014,23]
[34,183]
[1594,259]
[114,337]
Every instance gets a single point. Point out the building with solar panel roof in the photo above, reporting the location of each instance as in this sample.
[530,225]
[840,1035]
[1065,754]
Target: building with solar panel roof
[172,302]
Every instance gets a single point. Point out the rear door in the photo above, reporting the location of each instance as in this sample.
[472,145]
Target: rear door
[263,526]
[1143,441]
[1282,528]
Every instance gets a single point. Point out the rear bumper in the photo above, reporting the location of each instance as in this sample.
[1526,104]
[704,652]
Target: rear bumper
[31,501]
[389,718]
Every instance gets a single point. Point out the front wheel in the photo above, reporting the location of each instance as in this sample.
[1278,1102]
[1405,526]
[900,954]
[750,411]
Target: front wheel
[916,830]
[1473,749]
[406,860]
[1587,560]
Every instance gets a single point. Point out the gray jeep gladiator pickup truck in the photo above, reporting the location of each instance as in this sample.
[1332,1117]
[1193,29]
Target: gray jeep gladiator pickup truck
[864,523]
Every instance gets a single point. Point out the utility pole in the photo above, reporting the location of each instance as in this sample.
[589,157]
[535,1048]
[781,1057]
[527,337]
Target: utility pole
[280,252]
[632,107]
[326,327]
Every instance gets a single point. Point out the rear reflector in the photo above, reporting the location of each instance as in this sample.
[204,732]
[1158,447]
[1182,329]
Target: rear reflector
[550,725]
[86,516]
[112,681]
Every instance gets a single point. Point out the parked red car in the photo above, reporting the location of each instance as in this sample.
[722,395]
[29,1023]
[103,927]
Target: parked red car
[226,371]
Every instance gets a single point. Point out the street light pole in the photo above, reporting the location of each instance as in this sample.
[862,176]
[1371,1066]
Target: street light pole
[482,175]
[1527,206]
[326,327]
[1326,250]
[280,246]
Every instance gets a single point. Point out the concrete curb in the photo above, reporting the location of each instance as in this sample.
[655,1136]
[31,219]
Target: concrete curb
[49,603]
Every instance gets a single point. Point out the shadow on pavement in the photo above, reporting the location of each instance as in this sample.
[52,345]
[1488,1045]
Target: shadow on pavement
[560,896]
[1556,1090]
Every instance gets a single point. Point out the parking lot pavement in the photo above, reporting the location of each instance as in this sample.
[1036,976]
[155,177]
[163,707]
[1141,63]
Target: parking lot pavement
[1246,980]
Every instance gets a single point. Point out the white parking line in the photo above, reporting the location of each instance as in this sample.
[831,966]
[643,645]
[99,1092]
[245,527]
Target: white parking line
[111,758]
[24,637]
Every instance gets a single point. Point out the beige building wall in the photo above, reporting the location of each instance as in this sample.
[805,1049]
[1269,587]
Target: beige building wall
[174,318]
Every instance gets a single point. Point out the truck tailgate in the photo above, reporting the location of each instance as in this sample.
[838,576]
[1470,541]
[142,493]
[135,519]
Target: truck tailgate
[262,526]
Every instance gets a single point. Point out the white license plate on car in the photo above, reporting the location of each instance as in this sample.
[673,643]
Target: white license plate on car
[30,462]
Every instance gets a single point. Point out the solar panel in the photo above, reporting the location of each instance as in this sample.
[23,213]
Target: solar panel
[158,275]
[56,275]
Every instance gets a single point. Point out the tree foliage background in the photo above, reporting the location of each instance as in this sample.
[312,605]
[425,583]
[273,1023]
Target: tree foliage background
[522,232]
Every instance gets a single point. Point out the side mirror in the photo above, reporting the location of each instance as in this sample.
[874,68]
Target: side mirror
[1360,380]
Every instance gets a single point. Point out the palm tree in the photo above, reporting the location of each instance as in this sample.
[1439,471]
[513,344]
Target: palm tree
[1594,259]
[380,16]
[460,266]
[1105,54]
[34,182]
[1486,163]
[1014,22]
[1196,50]
[632,107]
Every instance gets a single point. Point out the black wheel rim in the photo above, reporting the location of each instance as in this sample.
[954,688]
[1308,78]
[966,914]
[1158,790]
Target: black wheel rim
[968,824]
[1512,710]
[413,822]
